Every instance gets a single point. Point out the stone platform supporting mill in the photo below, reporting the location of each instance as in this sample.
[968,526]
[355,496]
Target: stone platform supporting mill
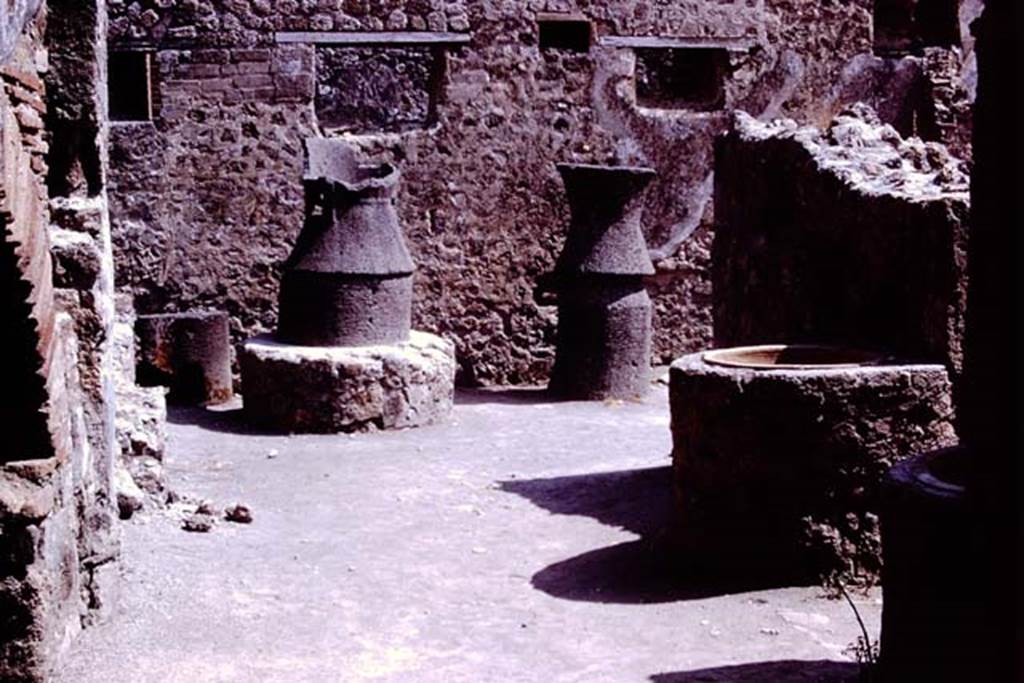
[344,357]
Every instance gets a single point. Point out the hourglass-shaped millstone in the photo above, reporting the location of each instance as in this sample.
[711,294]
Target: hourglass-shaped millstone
[603,347]
[348,281]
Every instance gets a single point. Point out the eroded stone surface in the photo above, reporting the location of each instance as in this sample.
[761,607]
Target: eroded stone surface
[347,389]
[141,413]
[58,539]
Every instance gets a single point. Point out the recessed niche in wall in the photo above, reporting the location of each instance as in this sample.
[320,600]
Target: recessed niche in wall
[681,78]
[563,32]
[377,89]
[907,25]
[129,86]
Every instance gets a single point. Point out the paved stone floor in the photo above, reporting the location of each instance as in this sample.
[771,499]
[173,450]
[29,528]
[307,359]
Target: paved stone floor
[518,541]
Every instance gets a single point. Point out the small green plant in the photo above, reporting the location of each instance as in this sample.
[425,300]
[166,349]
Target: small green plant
[864,650]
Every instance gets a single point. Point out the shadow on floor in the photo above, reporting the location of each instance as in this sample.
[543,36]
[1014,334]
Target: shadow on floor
[787,671]
[228,420]
[506,396]
[648,570]
[635,500]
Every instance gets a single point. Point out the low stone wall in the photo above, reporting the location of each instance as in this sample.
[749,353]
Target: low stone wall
[141,424]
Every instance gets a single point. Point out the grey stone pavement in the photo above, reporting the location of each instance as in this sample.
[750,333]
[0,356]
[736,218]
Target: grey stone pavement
[521,540]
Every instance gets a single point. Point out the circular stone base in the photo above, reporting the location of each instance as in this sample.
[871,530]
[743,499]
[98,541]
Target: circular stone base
[347,388]
[778,471]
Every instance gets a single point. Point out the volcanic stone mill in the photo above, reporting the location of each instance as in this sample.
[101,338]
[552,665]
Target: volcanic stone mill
[344,357]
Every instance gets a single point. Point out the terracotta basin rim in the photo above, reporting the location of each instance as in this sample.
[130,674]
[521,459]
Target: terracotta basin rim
[793,357]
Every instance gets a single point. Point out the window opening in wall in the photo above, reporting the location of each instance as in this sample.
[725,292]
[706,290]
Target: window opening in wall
[129,84]
[908,25]
[564,32]
[378,89]
[681,78]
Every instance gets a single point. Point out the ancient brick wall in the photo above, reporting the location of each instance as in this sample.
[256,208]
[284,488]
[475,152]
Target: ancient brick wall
[207,194]
[57,540]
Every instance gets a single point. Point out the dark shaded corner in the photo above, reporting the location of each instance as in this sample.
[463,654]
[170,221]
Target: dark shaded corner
[786,671]
[505,396]
[229,420]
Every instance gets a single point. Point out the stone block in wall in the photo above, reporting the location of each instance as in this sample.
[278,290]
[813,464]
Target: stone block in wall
[12,22]
[375,89]
[851,236]
[77,260]
[39,596]
[681,18]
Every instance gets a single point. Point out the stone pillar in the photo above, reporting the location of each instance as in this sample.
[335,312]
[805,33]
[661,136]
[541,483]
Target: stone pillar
[991,411]
[76,87]
[603,348]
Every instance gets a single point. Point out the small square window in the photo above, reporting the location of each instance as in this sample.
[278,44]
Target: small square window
[564,32]
[129,86]
[681,78]
[909,25]
[378,89]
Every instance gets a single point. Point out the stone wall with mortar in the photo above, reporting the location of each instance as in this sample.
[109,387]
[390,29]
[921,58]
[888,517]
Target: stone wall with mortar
[850,236]
[76,95]
[207,196]
[58,542]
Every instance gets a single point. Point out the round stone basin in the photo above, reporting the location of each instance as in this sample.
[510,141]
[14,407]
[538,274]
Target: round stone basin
[792,357]
[779,453]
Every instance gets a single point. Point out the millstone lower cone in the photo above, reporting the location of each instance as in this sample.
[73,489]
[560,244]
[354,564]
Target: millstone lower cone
[348,281]
[603,346]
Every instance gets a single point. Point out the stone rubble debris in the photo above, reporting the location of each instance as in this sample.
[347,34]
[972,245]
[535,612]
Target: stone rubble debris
[238,513]
[198,523]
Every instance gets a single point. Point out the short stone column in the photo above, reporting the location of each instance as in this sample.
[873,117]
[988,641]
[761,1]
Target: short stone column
[189,353]
[603,348]
[344,357]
